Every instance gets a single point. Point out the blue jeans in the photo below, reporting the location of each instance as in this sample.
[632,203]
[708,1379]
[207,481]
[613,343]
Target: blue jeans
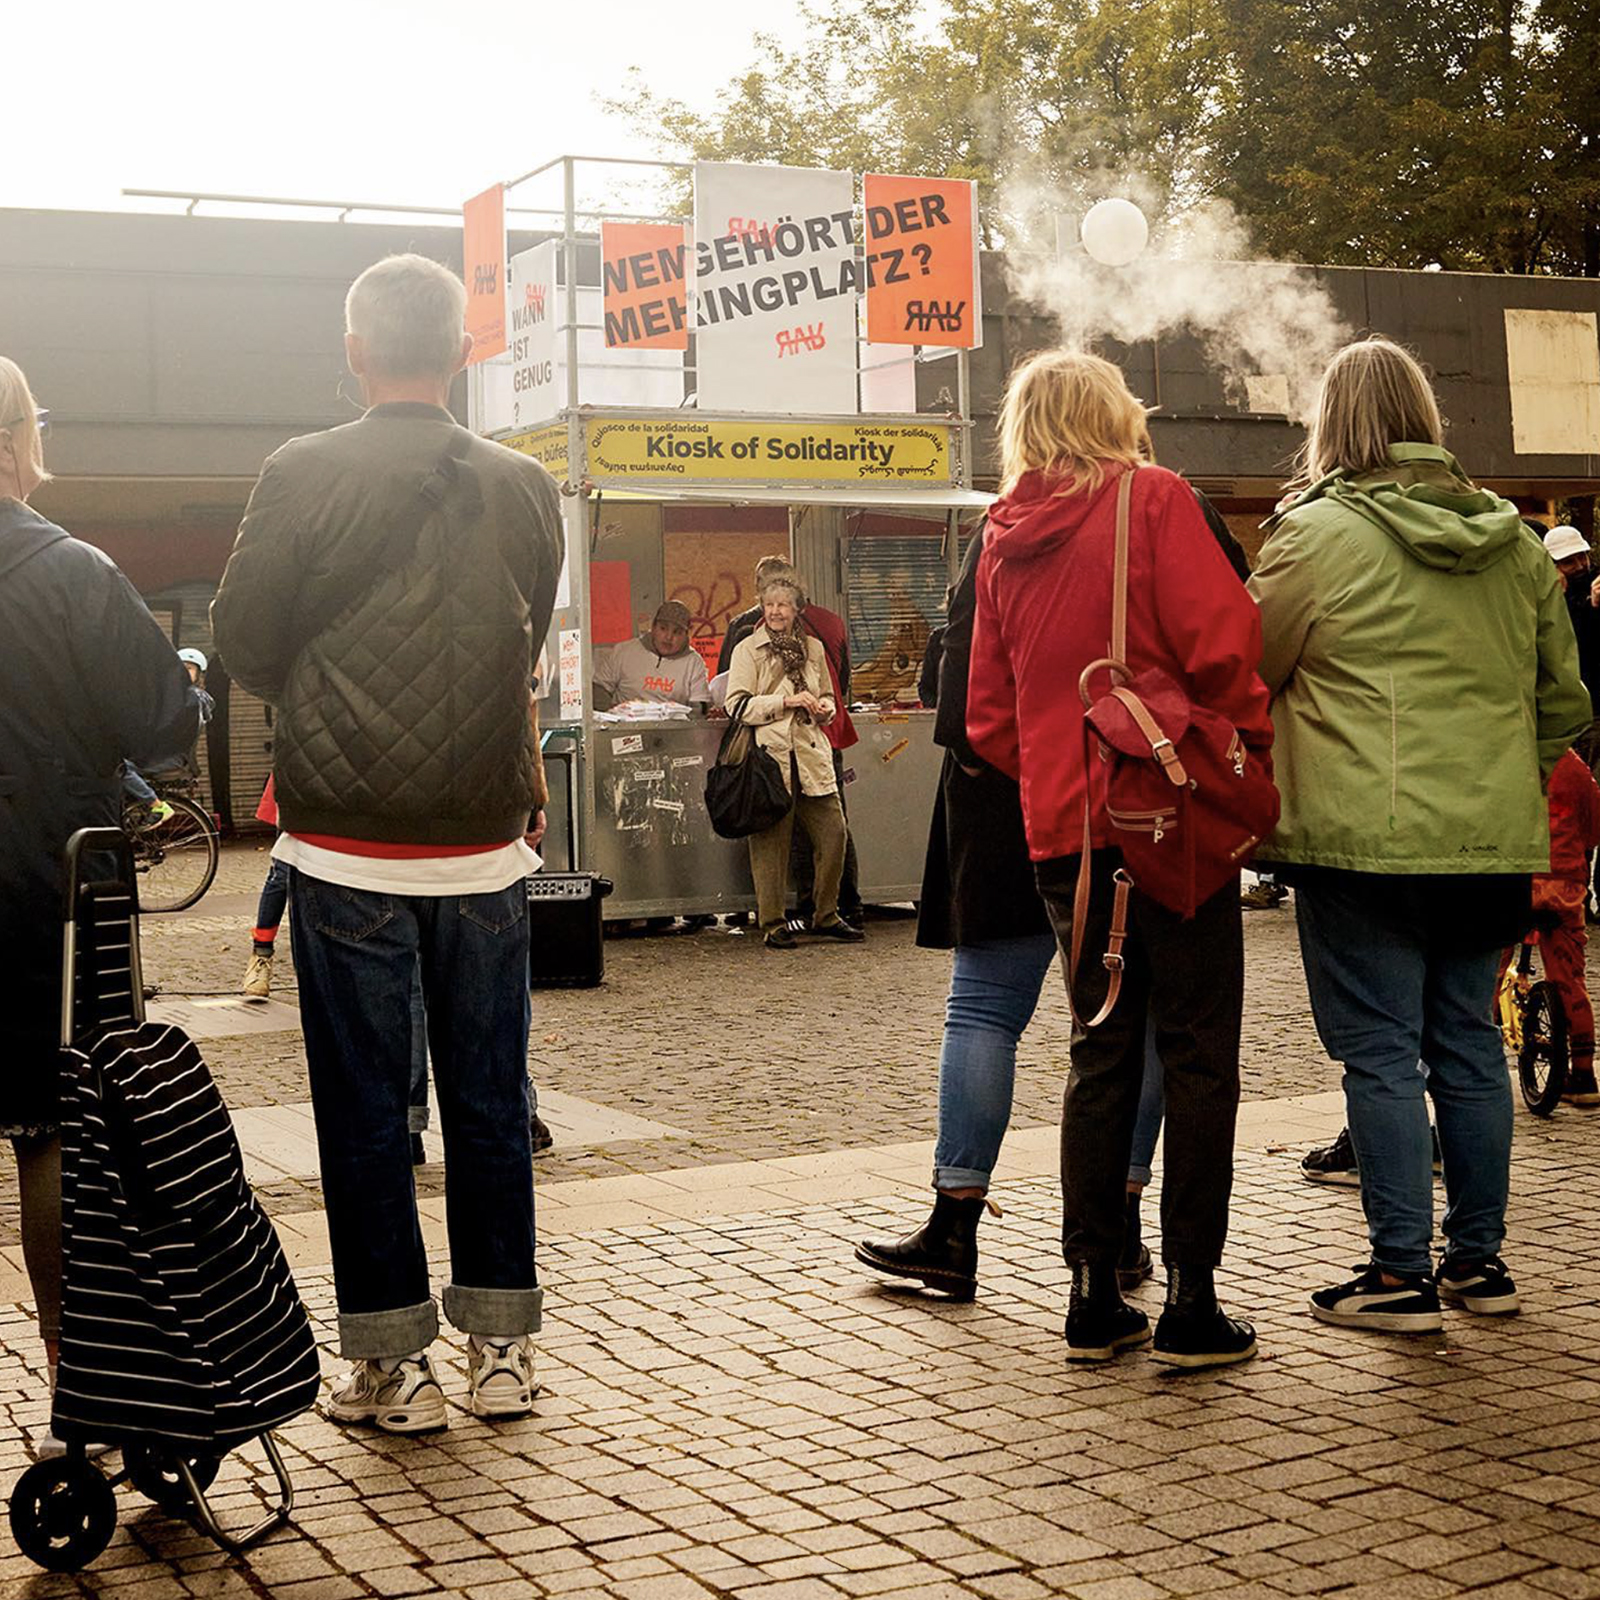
[1152,1108]
[417,1105]
[994,991]
[133,784]
[356,953]
[417,1118]
[1409,1016]
[274,899]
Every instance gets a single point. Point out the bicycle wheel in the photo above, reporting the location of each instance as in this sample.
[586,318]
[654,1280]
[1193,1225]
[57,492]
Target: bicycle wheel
[1542,1060]
[176,856]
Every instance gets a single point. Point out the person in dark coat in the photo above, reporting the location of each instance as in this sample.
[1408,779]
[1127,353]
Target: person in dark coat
[980,899]
[747,621]
[87,678]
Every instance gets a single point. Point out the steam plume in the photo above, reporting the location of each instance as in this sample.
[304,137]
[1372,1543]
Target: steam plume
[1268,327]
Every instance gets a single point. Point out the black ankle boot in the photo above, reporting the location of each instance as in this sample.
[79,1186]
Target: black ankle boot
[1098,1323]
[943,1252]
[1134,1264]
[1194,1331]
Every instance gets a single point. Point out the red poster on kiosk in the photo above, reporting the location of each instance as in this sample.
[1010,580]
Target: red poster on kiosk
[483,266]
[922,261]
[641,266]
[610,602]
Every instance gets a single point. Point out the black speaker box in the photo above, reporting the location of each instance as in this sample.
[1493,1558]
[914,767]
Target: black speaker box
[566,945]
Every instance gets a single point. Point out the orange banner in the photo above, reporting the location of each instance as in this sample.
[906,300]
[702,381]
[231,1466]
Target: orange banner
[922,261]
[642,269]
[483,266]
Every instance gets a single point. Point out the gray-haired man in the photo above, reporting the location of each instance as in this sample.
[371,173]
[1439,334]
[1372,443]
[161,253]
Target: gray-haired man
[389,590]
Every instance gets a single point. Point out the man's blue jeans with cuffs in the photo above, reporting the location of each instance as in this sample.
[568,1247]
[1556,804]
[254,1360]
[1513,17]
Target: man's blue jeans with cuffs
[356,954]
[417,1116]
[1410,1018]
[994,991]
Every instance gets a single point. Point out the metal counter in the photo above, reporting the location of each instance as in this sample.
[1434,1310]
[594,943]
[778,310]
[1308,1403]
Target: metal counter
[652,837]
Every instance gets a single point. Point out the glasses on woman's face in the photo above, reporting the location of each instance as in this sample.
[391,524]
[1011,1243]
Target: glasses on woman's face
[42,417]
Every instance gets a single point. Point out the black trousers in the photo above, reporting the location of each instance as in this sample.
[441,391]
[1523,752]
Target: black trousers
[1184,982]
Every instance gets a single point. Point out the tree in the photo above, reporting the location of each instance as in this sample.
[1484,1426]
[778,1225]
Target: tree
[1397,136]
[1021,96]
[1460,133]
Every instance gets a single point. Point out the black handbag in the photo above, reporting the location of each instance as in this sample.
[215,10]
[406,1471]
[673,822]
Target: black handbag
[745,791]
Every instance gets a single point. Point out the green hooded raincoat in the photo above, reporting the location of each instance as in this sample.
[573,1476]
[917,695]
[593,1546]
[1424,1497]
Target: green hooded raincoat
[1423,670]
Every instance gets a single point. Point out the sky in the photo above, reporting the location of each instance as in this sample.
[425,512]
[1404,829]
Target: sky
[418,102]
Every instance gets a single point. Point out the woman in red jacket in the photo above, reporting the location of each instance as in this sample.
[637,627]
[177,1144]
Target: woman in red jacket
[1069,430]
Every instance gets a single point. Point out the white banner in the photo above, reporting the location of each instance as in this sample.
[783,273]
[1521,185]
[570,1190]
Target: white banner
[616,377]
[525,385]
[888,377]
[528,384]
[775,289]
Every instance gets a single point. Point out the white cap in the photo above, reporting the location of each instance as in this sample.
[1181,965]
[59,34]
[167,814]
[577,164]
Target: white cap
[1564,542]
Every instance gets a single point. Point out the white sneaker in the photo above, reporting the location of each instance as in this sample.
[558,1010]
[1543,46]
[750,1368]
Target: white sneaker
[257,983]
[47,1447]
[501,1376]
[400,1396]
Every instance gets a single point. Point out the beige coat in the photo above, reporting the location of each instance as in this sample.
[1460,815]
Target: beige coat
[755,673]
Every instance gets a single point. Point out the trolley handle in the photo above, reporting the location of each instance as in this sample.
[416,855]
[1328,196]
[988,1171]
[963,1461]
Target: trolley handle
[115,842]
[86,839]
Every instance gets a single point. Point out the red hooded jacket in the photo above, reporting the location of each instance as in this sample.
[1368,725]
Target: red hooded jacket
[1574,818]
[1044,613]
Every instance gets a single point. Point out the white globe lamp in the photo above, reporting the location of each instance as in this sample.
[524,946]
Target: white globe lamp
[1114,232]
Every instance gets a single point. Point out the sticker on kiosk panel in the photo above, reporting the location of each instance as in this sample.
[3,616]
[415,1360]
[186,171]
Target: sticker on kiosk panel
[675,450]
[547,446]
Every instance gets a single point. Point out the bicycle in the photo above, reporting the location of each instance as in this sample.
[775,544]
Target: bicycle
[175,844]
[1533,1024]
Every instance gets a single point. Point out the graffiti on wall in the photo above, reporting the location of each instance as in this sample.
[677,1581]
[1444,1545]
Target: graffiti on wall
[713,574]
[897,590]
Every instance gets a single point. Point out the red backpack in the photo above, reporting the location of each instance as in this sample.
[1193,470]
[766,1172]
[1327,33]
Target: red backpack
[1187,802]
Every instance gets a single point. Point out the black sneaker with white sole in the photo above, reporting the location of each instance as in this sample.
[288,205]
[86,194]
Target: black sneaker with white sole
[1333,1163]
[1410,1306]
[1481,1286]
[1099,1323]
[1336,1163]
[1191,1338]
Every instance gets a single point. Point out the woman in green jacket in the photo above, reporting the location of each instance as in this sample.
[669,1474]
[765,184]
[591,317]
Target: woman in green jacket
[1425,682]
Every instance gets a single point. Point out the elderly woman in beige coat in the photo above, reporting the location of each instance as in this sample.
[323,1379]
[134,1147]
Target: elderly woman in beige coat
[778,682]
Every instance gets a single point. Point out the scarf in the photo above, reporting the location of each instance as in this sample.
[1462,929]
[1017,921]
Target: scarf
[790,649]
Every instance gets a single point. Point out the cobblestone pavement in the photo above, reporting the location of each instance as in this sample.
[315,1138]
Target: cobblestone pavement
[672,1034]
[732,1408]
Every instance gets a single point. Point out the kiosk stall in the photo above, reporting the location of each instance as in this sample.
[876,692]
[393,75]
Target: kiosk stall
[662,501]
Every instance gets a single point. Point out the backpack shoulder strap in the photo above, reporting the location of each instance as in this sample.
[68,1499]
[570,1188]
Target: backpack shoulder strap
[1119,569]
[1112,959]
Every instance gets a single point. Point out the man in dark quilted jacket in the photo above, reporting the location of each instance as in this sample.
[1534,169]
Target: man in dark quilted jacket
[390,588]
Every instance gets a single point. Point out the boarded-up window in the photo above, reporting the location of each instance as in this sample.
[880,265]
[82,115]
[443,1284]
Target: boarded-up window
[1553,358]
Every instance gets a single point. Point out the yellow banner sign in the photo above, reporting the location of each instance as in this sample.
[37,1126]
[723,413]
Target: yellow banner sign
[547,445]
[688,450]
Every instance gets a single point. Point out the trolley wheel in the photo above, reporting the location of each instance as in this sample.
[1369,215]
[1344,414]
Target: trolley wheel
[1542,1060]
[63,1514]
[176,858]
[153,1471]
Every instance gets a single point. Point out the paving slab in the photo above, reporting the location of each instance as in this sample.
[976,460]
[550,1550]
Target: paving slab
[732,1407]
